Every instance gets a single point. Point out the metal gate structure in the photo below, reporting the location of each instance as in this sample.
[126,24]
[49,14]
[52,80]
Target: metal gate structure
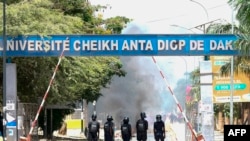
[26,113]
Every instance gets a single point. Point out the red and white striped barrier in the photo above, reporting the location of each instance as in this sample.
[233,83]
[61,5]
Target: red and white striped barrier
[198,138]
[44,98]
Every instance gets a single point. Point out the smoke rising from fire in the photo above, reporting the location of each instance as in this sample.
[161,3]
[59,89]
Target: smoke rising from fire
[141,90]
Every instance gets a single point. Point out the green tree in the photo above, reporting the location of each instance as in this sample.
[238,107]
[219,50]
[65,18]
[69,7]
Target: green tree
[195,91]
[84,10]
[12,1]
[116,24]
[77,77]
[78,8]
[195,96]
[242,62]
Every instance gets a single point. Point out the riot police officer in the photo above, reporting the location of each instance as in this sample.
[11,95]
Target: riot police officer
[142,127]
[109,129]
[159,129]
[126,129]
[93,128]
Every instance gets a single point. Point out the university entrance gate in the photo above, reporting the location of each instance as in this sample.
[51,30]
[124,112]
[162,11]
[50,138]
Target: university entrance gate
[108,45]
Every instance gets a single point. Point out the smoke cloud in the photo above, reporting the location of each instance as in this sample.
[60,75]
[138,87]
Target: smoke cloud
[141,90]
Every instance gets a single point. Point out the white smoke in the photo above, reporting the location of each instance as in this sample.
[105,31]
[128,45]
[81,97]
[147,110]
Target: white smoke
[141,90]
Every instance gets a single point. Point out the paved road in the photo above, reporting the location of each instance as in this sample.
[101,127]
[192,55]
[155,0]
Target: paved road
[150,138]
[178,131]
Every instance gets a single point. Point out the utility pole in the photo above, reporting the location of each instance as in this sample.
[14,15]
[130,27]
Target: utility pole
[4,69]
[232,78]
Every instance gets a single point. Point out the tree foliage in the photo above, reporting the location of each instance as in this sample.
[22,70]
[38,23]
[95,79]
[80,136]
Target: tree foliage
[35,17]
[78,8]
[12,1]
[243,11]
[116,24]
[77,77]
[242,62]
[195,90]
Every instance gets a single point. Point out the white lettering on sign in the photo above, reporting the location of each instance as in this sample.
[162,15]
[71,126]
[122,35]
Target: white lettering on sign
[171,45]
[95,45]
[137,45]
[31,45]
[39,45]
[196,45]
[221,45]
[76,45]
[112,44]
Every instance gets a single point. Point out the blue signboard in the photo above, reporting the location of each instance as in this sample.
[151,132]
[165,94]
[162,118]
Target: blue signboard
[121,45]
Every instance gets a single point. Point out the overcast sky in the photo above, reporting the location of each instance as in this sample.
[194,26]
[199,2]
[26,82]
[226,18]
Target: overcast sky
[160,16]
[161,13]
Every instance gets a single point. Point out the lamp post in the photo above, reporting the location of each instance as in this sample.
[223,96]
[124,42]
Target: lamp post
[203,7]
[188,29]
[203,25]
[4,68]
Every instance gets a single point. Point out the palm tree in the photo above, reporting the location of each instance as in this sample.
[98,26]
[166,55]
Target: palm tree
[241,62]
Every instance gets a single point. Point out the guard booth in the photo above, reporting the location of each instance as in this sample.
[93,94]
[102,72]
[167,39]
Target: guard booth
[48,117]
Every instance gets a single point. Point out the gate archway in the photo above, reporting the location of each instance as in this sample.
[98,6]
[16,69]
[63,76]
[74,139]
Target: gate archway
[122,45]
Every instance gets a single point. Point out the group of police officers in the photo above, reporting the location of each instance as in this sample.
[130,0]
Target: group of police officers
[126,131]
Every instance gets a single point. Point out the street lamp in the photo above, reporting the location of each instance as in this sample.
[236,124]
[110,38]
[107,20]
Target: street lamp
[203,7]
[203,25]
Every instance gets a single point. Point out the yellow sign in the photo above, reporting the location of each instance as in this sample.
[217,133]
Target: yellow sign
[222,84]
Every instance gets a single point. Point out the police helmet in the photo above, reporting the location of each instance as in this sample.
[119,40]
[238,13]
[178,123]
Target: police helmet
[143,115]
[158,117]
[109,118]
[94,116]
[126,119]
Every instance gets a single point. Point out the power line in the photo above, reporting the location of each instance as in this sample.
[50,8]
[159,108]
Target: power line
[183,15]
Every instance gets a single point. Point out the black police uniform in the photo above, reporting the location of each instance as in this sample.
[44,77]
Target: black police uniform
[141,128]
[93,128]
[109,129]
[126,130]
[159,129]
